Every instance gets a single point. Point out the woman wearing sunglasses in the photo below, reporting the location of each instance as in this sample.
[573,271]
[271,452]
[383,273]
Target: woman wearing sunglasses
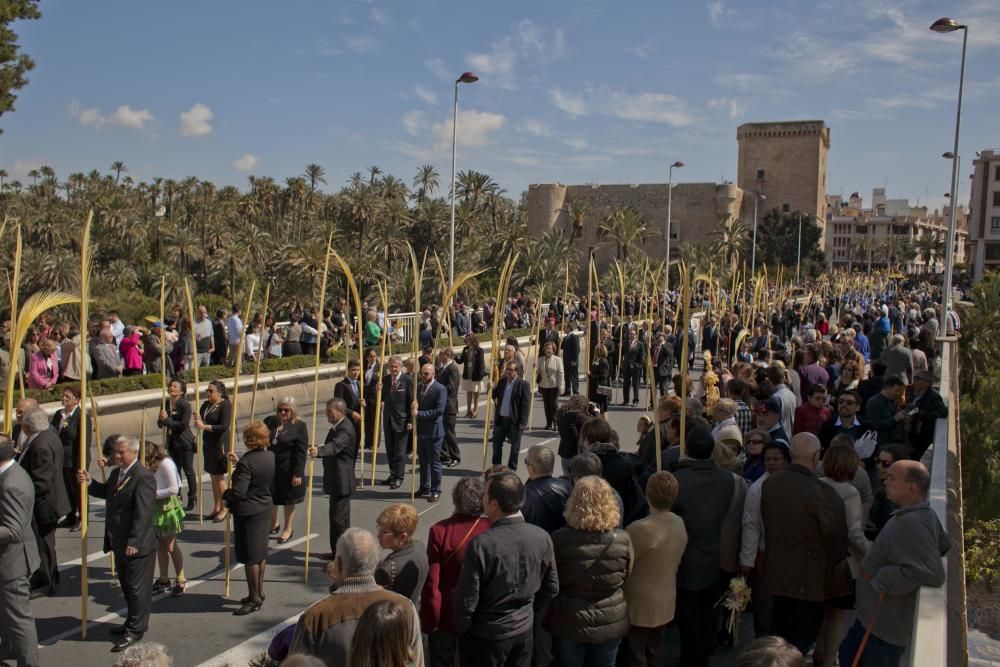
[289,443]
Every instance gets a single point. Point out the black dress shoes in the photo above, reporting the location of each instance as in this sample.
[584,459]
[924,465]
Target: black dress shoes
[125,642]
[395,484]
[118,630]
[433,497]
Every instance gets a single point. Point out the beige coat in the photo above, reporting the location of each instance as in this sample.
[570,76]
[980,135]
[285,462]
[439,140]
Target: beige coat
[550,372]
[658,542]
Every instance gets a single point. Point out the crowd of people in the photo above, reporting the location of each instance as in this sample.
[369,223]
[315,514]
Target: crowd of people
[792,461]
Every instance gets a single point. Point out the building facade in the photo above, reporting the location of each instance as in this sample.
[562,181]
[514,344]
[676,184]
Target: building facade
[888,233]
[786,163]
[984,214]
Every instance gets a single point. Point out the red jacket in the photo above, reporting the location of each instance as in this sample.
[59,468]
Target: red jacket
[808,419]
[446,546]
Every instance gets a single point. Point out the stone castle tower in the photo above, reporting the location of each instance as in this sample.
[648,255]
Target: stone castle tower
[785,161]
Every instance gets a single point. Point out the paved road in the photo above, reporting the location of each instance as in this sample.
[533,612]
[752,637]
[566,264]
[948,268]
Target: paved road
[199,628]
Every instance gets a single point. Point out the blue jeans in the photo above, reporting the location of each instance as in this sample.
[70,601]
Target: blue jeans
[877,653]
[429,451]
[568,653]
[504,428]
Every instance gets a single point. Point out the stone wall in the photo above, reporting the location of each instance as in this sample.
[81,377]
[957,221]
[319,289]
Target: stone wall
[793,157]
[697,210]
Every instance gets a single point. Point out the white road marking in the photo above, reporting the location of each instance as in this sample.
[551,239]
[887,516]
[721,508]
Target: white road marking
[192,583]
[244,653]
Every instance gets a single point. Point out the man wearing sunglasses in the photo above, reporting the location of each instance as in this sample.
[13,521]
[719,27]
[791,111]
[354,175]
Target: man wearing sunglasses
[845,420]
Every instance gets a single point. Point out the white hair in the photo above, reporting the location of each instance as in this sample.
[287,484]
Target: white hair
[146,654]
[36,419]
[358,552]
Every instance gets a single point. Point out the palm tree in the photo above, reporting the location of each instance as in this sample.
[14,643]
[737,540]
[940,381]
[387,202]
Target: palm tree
[425,182]
[33,175]
[730,240]
[577,210]
[625,227]
[865,247]
[374,172]
[118,167]
[931,249]
[314,174]
[3,175]
[474,186]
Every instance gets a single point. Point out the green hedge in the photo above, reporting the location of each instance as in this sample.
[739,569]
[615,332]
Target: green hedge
[153,381]
[982,552]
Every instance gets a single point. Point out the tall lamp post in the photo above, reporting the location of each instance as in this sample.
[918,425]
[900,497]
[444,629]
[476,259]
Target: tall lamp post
[670,197]
[757,197]
[467,77]
[944,25]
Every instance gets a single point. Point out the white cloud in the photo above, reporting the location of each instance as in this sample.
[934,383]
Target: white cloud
[576,143]
[649,107]
[19,170]
[195,121]
[535,128]
[123,116]
[742,80]
[415,122]
[246,162]
[642,51]
[568,102]
[718,12]
[474,128]
[126,116]
[424,94]
[361,43]
[437,67]
[732,106]
[645,106]
[525,40]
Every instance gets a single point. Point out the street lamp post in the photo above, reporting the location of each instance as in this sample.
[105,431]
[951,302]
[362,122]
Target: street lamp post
[670,196]
[757,196]
[467,77]
[944,25]
[798,254]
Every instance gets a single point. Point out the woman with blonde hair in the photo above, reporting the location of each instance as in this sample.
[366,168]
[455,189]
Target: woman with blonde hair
[593,557]
[289,442]
[249,499]
[404,570]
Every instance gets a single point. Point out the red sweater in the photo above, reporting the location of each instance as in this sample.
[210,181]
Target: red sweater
[808,419]
[444,557]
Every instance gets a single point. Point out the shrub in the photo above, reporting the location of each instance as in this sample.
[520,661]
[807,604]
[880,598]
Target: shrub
[982,552]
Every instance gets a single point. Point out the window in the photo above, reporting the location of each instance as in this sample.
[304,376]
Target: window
[674,233]
[760,174]
[996,173]
[785,208]
[995,223]
[996,198]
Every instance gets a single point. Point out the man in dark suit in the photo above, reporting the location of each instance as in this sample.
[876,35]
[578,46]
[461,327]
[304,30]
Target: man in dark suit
[66,422]
[17,434]
[42,458]
[449,377]
[663,363]
[219,334]
[428,410]
[18,559]
[397,397]
[130,495]
[548,334]
[710,336]
[571,361]
[925,409]
[338,456]
[348,390]
[633,358]
[372,372]
[513,403]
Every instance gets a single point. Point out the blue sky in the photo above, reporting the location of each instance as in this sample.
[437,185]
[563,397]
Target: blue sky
[582,91]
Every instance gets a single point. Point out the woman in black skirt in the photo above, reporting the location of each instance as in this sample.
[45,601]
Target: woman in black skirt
[180,441]
[249,499]
[599,376]
[213,421]
[289,443]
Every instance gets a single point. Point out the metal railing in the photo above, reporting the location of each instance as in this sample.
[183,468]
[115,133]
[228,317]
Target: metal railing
[940,624]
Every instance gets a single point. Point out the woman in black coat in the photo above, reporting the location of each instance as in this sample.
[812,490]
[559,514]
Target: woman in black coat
[249,499]
[213,422]
[473,362]
[599,376]
[569,419]
[289,442]
[181,447]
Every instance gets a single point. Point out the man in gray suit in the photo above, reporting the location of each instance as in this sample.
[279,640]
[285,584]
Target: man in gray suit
[337,453]
[130,493]
[898,359]
[18,559]
[42,458]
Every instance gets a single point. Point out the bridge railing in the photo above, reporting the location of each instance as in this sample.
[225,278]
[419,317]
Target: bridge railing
[940,625]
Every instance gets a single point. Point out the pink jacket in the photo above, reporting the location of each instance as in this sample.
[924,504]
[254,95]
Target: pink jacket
[131,355]
[40,374]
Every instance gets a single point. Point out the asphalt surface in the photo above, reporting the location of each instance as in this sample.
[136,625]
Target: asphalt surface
[198,628]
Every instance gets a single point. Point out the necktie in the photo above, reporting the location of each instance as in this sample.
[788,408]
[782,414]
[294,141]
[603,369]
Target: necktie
[395,381]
